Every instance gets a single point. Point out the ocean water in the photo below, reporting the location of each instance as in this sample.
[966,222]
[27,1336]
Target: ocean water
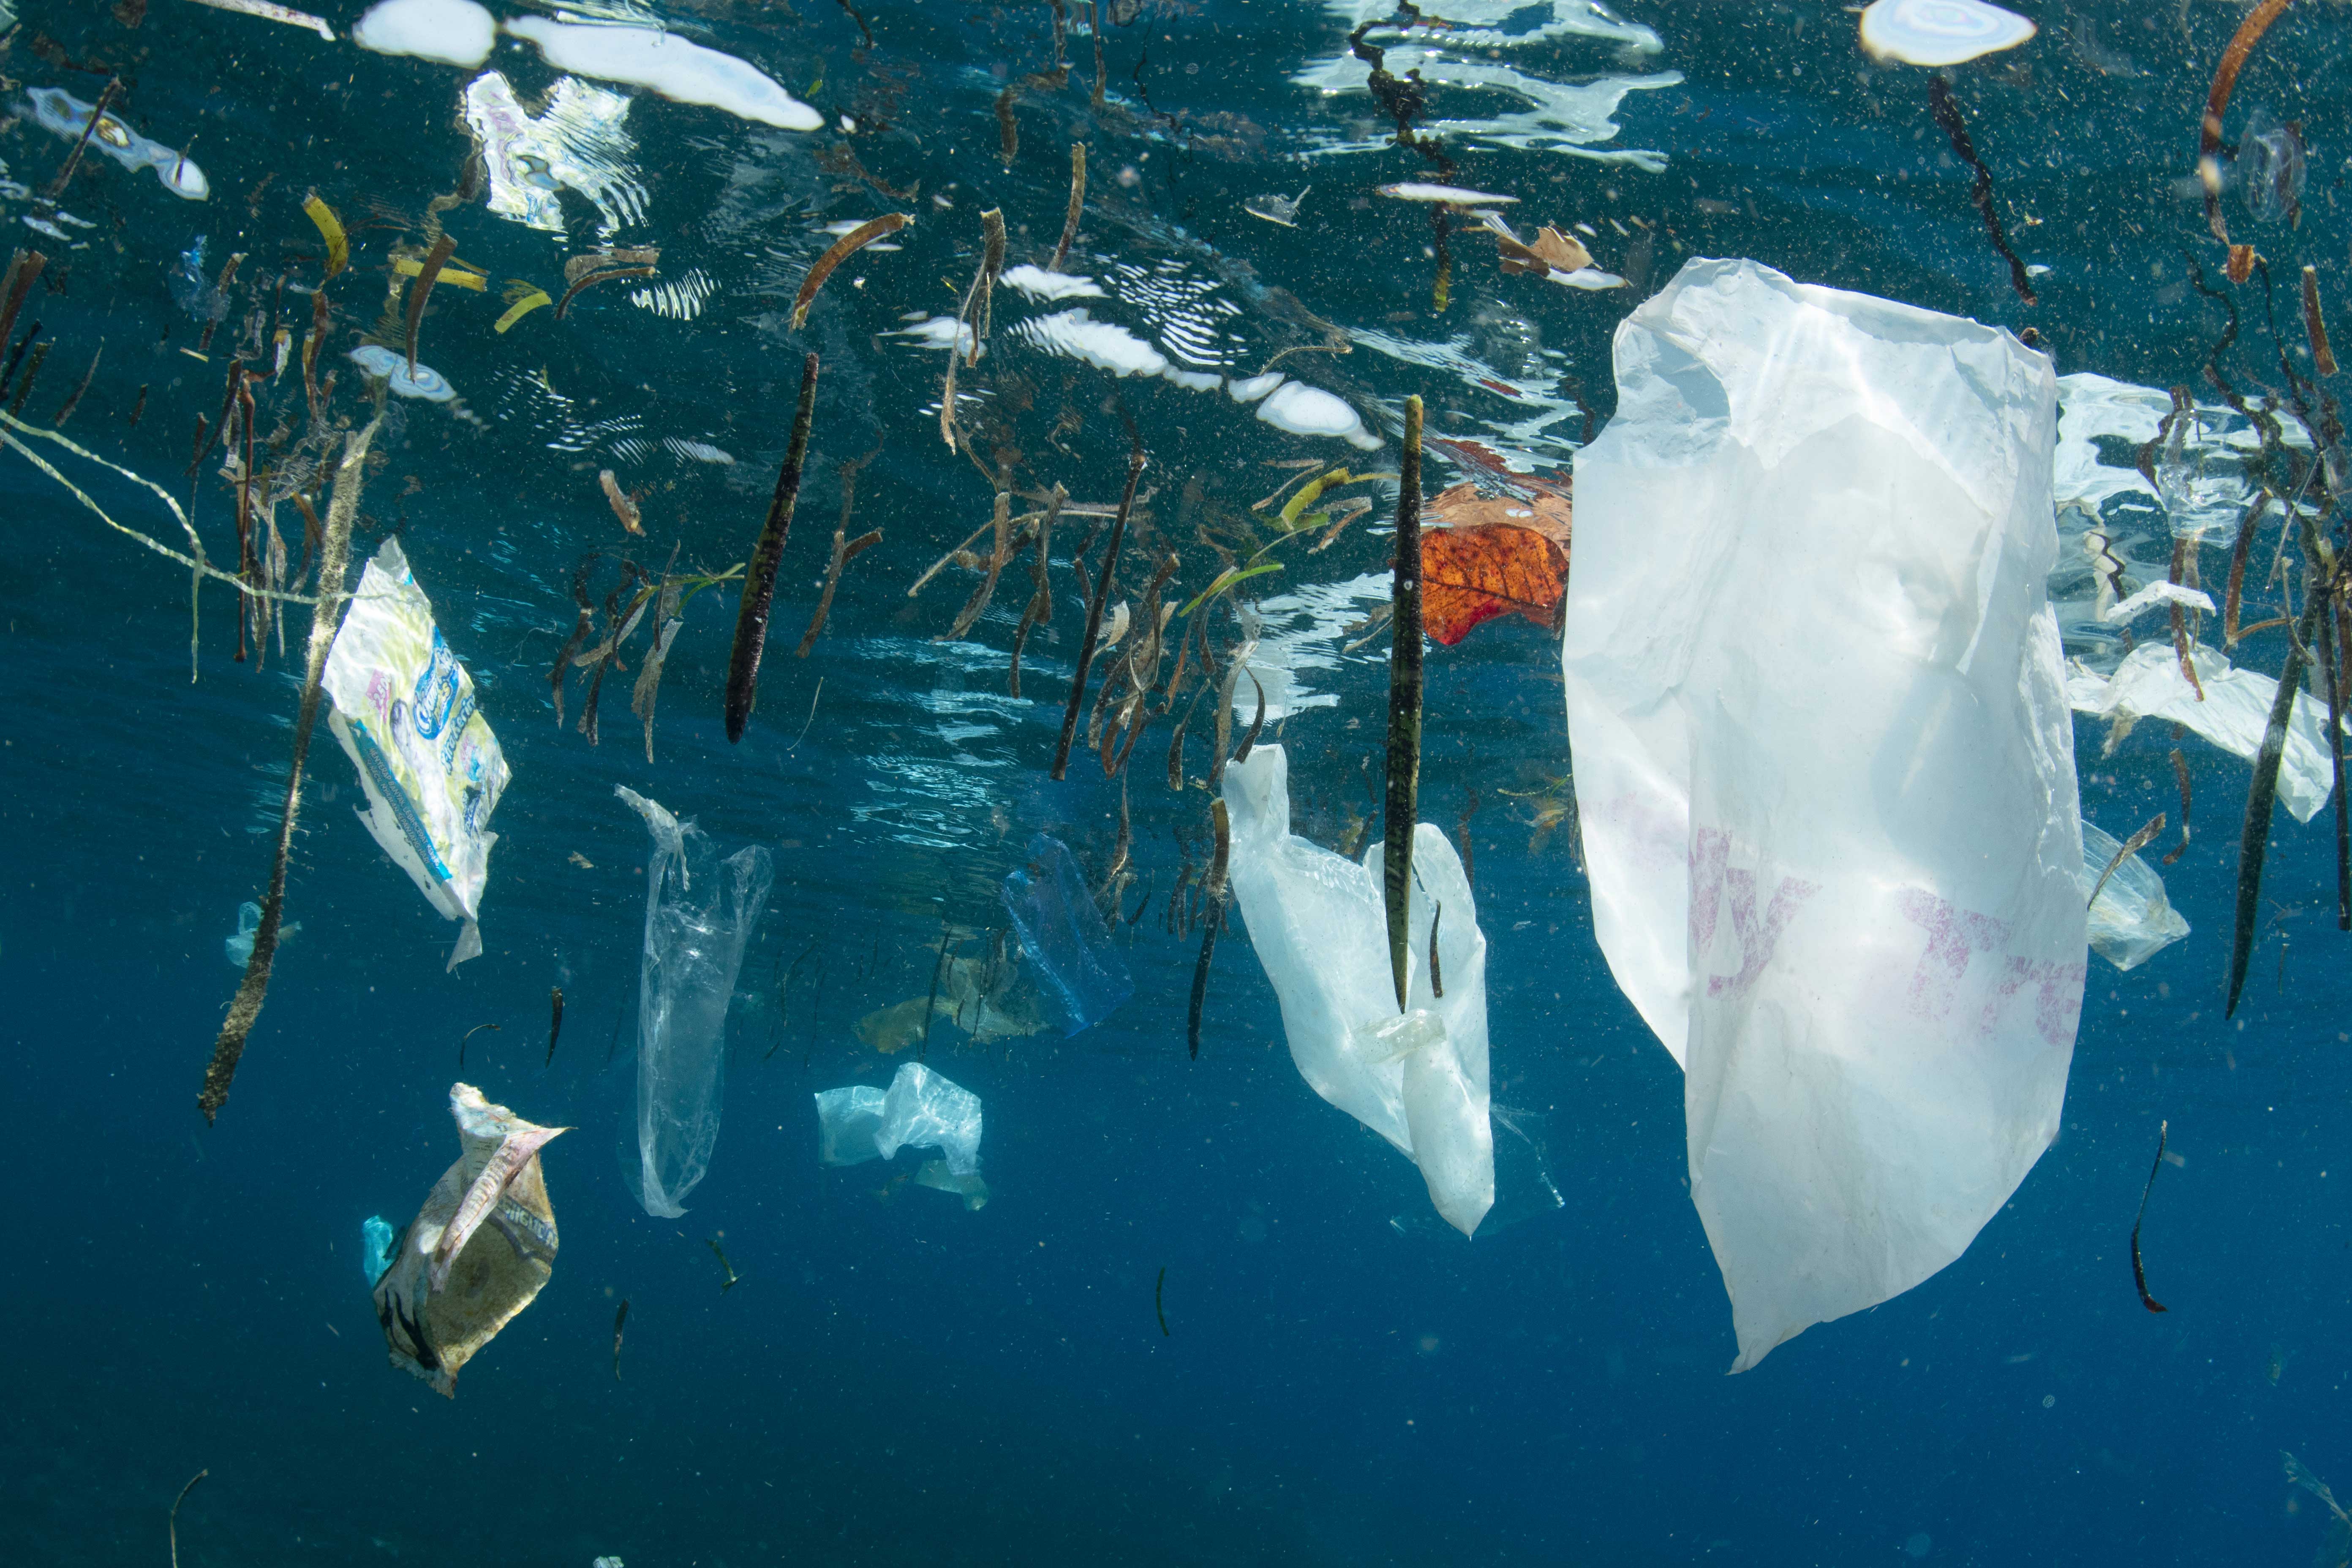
[1203,1316]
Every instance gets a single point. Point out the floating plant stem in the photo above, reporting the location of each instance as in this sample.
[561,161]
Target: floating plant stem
[2139,1274]
[760,575]
[2315,324]
[32,370]
[2254,843]
[555,1021]
[2180,772]
[620,1319]
[1213,896]
[1077,201]
[839,251]
[174,1522]
[1947,110]
[1404,708]
[2217,100]
[81,388]
[330,229]
[335,561]
[1135,462]
[1159,1301]
[23,266]
[1436,973]
[2129,847]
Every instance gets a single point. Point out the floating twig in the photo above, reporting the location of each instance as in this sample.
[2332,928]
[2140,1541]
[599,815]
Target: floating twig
[839,251]
[732,1279]
[177,1502]
[623,504]
[1256,724]
[1947,110]
[1135,462]
[2180,772]
[555,1021]
[2254,843]
[1160,1301]
[760,575]
[2315,324]
[2139,1274]
[811,714]
[1436,973]
[335,561]
[977,316]
[620,1319]
[1404,708]
[81,388]
[1077,201]
[1213,896]
[930,1007]
[2208,130]
[2129,847]
[427,275]
[467,1036]
[23,266]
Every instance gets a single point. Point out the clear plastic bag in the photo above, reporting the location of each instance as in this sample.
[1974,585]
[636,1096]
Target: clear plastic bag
[2131,919]
[700,913]
[1320,927]
[1064,936]
[1825,770]
[862,1123]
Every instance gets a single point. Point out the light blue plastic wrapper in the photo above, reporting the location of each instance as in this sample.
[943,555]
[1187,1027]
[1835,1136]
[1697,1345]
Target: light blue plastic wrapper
[1062,933]
[375,1247]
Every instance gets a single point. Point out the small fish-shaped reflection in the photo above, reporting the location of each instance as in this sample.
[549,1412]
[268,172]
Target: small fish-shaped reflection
[1280,209]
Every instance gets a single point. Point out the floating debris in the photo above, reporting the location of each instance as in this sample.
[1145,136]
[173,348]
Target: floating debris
[1402,805]
[760,572]
[2209,129]
[667,63]
[2315,324]
[522,298]
[1947,110]
[1158,1300]
[330,229]
[732,1279]
[57,110]
[841,250]
[620,1319]
[271,12]
[623,504]
[421,381]
[1939,32]
[1095,614]
[1446,195]
[1077,202]
[1280,209]
[2139,1274]
[453,32]
[584,272]
[464,1040]
[1213,893]
[555,1021]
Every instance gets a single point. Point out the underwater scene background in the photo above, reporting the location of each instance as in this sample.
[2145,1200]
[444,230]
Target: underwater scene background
[1202,1315]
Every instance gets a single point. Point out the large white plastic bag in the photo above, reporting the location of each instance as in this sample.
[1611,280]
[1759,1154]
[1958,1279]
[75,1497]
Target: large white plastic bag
[404,712]
[1826,774]
[1319,926]
[700,913]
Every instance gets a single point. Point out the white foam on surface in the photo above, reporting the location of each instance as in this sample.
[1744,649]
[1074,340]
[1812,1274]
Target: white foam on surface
[1036,283]
[1256,387]
[666,64]
[1304,410]
[454,32]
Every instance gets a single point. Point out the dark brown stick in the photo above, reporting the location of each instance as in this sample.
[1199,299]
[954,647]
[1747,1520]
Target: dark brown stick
[1093,616]
[759,575]
[1403,800]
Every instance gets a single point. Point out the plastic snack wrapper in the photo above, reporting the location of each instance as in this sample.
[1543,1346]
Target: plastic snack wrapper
[700,913]
[1320,927]
[862,1123]
[477,1252]
[404,712]
[1825,770]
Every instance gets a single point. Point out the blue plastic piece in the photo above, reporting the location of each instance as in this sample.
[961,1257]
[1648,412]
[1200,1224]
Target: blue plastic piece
[1062,933]
[376,1249]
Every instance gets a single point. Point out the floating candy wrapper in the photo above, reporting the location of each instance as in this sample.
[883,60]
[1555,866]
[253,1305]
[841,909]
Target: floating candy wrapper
[1062,934]
[700,913]
[2131,919]
[1320,927]
[921,1107]
[404,713]
[477,1252]
[1826,773]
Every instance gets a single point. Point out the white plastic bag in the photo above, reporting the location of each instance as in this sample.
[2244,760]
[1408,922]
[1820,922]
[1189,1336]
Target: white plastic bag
[1320,927]
[2233,713]
[1826,773]
[700,913]
[404,710]
[862,1123]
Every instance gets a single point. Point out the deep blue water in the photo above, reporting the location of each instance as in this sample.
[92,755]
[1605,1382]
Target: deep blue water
[895,1379]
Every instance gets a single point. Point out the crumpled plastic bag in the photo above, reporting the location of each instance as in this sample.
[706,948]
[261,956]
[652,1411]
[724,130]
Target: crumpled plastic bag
[2234,715]
[1320,927]
[477,1252]
[238,945]
[863,1122]
[1062,933]
[700,913]
[1825,770]
[2131,919]
[404,712]
[376,1241]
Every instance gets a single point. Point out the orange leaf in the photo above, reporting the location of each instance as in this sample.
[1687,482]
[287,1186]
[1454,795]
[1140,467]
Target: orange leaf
[1472,575]
[1549,514]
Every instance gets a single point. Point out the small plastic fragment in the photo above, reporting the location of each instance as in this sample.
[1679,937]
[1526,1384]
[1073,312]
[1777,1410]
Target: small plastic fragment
[406,715]
[376,1240]
[1064,937]
[238,945]
[700,914]
[479,1250]
[2131,919]
[57,110]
